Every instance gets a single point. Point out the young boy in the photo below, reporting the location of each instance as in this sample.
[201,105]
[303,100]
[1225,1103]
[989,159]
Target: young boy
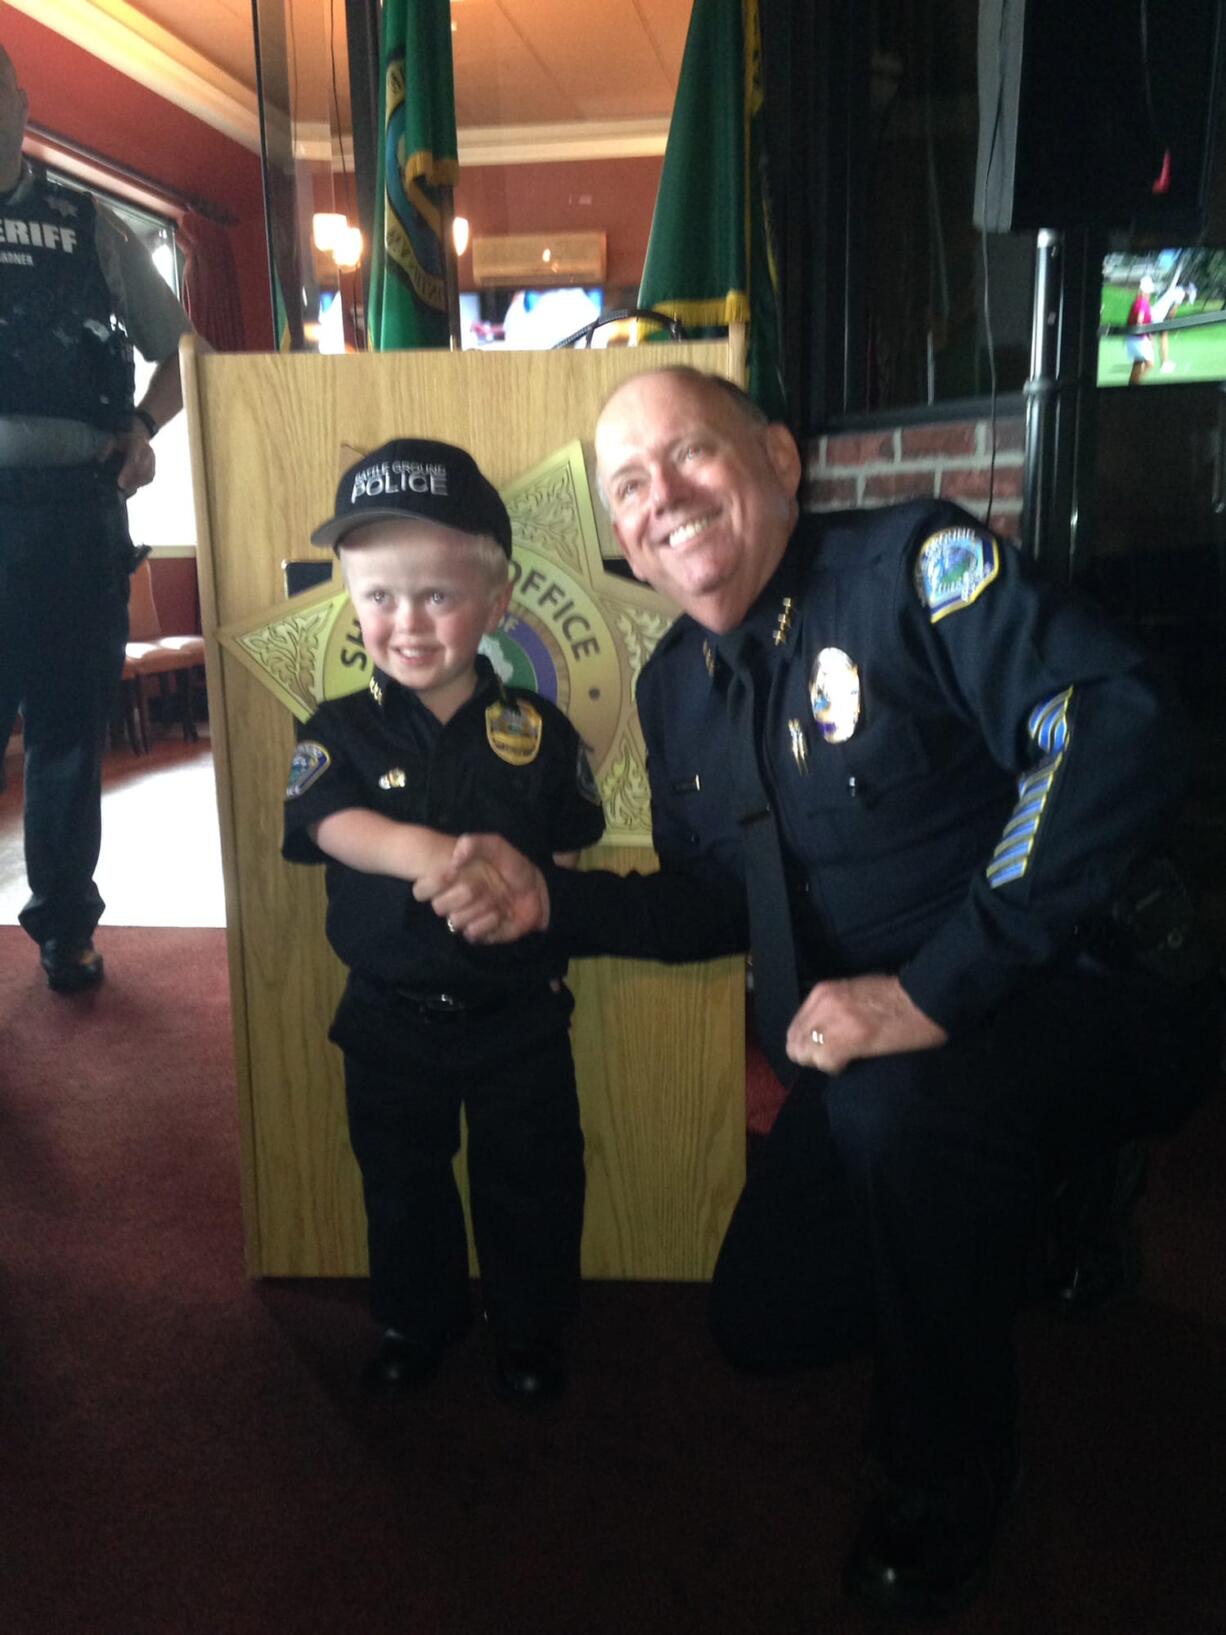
[381,783]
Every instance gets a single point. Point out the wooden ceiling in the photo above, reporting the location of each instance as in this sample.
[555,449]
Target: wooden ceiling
[560,73]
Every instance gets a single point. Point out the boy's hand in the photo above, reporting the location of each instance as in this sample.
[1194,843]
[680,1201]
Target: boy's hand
[476,907]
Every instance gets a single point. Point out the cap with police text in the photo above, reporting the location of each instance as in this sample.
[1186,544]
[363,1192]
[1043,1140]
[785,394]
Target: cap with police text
[417,478]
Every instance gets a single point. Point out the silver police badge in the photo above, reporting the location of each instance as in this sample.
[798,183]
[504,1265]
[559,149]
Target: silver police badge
[834,693]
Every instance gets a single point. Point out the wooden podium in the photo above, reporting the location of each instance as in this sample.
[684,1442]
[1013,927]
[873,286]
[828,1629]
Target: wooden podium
[659,1051]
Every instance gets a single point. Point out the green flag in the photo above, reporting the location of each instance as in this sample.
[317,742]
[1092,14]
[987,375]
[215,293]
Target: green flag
[710,260]
[408,291]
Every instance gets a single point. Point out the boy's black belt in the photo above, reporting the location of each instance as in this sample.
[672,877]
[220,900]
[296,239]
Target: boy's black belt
[439,1007]
[436,1004]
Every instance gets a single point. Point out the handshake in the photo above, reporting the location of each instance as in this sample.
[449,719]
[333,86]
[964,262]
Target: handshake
[487,891]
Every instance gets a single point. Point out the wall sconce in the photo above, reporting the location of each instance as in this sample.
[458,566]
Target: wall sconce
[459,234]
[326,227]
[347,251]
[332,235]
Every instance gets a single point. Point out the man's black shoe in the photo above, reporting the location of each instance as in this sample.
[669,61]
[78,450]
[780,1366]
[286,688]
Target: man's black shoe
[924,1558]
[71,964]
[529,1372]
[400,1364]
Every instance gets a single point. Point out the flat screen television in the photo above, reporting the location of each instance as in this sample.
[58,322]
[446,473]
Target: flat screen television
[526,320]
[1185,287]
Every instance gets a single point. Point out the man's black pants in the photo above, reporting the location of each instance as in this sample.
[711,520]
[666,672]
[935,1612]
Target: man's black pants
[514,1075]
[65,558]
[894,1208]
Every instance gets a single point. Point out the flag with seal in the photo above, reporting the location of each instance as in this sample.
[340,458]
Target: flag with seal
[417,160]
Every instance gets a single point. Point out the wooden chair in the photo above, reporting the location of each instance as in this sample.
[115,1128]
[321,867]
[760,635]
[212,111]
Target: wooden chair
[150,653]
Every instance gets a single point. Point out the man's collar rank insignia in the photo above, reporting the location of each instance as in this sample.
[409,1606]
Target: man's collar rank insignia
[953,568]
[394,779]
[834,694]
[376,691]
[513,731]
[310,762]
[784,623]
[708,656]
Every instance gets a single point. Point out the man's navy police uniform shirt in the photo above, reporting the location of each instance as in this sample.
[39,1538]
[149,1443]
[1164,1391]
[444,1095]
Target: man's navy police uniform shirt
[963,761]
[508,762]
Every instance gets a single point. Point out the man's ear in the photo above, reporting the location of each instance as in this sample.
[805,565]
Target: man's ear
[630,554]
[784,456]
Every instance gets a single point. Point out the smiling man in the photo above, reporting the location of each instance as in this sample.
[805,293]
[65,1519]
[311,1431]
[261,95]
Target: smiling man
[931,792]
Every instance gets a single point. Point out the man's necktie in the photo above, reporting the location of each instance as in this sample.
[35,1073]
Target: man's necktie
[776,988]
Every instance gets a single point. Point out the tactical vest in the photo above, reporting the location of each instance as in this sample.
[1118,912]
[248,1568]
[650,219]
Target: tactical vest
[63,349]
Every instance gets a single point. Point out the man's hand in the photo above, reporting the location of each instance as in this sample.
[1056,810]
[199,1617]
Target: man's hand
[489,892]
[861,1016]
[138,465]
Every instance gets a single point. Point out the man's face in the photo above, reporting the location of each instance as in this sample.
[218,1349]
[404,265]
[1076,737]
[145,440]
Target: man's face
[703,501]
[14,105]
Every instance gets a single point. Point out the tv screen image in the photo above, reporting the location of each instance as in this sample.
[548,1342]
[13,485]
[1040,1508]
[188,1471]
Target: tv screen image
[527,320]
[1183,286]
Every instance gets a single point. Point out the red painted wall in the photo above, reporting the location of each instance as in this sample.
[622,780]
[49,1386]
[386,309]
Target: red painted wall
[613,196]
[75,95]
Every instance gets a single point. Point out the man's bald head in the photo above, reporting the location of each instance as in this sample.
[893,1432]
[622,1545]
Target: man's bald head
[701,488]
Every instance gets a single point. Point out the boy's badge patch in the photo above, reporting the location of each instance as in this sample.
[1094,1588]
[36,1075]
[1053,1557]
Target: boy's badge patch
[953,568]
[586,778]
[513,732]
[310,762]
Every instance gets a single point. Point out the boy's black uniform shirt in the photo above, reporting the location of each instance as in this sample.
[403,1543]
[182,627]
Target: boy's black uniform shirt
[508,762]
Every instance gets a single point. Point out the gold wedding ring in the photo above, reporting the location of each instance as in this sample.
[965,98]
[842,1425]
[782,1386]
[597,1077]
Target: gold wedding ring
[818,1037]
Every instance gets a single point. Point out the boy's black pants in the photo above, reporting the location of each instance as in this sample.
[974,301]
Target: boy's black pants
[513,1073]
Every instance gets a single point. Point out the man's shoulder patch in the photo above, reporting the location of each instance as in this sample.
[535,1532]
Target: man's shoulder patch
[311,760]
[953,568]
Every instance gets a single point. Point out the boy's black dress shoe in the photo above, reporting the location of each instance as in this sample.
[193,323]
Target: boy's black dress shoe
[401,1364]
[529,1372]
[72,964]
[924,1557]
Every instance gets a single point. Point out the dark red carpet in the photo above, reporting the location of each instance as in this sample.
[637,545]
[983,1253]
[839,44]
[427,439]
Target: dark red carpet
[182,1451]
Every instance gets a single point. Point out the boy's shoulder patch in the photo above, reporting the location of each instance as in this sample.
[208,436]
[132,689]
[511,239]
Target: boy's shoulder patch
[311,760]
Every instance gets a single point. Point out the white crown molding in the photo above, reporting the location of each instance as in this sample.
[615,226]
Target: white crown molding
[121,37]
[505,144]
[548,144]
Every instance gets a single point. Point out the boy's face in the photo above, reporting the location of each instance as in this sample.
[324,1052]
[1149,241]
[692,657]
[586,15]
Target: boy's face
[424,599]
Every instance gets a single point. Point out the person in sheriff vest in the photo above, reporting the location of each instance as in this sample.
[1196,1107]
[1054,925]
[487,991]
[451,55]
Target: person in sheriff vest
[77,290]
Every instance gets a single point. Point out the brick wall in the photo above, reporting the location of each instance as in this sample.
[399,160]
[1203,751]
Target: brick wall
[949,459]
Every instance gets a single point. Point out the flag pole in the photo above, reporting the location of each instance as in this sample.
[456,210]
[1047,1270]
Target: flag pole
[451,265]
